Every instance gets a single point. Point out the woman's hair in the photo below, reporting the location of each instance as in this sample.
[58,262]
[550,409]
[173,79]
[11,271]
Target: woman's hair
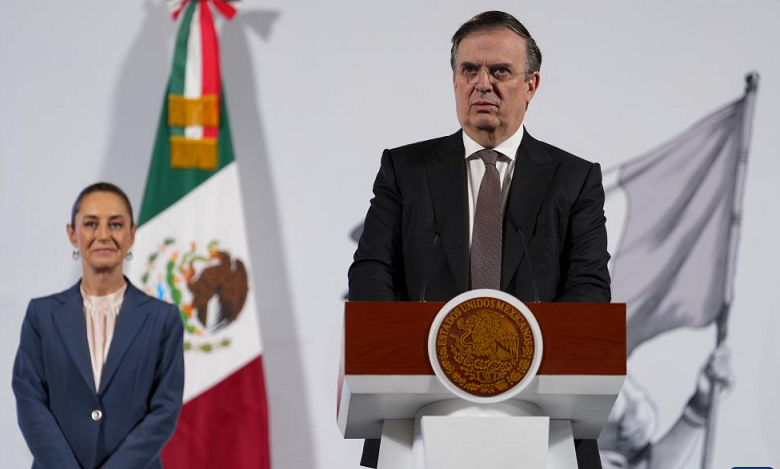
[100,187]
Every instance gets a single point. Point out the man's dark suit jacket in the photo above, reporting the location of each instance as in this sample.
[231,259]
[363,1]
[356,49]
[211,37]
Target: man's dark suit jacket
[556,200]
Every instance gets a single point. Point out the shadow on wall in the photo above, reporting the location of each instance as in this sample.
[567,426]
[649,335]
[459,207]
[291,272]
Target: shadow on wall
[290,417]
[136,109]
[138,98]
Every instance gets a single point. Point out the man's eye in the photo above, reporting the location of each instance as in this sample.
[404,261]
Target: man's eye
[501,72]
[469,69]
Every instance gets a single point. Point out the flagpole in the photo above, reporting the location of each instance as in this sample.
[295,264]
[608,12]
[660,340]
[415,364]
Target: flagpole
[751,87]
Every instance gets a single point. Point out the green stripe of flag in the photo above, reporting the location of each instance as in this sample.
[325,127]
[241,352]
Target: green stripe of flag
[166,185]
[179,67]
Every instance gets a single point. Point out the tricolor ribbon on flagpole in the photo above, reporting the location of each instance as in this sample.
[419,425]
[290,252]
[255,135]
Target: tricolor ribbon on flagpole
[227,8]
[195,90]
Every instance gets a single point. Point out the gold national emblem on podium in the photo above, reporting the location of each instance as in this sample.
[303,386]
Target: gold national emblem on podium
[485,346]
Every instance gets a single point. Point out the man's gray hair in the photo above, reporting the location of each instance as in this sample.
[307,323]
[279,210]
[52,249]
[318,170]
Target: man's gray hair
[492,20]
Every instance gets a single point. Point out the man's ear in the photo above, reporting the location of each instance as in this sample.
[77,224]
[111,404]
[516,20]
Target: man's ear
[533,84]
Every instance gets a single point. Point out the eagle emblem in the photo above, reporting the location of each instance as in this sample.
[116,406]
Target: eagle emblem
[485,346]
[488,337]
[210,288]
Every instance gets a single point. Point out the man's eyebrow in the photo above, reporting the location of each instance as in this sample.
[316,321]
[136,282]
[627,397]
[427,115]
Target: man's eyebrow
[495,65]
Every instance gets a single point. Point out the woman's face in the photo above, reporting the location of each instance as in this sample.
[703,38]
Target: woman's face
[103,231]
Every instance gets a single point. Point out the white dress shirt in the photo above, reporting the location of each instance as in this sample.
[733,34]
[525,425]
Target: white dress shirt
[475,169]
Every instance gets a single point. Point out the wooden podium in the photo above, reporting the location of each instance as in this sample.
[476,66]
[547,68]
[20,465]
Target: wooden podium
[386,375]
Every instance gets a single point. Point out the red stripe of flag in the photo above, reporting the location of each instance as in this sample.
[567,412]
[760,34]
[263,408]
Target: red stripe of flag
[225,427]
[210,51]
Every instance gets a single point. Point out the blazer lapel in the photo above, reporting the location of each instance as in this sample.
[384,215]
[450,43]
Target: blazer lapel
[534,169]
[72,327]
[446,171]
[128,324]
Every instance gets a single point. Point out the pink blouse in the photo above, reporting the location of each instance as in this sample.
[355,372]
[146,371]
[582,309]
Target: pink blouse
[100,313]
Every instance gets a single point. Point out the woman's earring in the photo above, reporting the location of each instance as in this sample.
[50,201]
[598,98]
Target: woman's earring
[129,256]
[75,255]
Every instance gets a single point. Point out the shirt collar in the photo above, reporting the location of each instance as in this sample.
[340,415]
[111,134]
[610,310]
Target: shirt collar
[112,300]
[508,147]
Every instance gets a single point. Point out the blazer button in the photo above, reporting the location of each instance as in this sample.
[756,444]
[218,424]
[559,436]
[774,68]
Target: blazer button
[97,415]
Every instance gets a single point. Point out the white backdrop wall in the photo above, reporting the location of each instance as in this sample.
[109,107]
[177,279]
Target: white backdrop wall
[315,91]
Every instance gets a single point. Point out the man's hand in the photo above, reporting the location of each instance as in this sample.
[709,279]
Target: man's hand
[716,371]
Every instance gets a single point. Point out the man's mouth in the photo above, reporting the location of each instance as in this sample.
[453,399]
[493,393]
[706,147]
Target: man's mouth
[483,105]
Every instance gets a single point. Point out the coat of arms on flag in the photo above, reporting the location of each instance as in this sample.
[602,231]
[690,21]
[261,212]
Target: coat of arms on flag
[193,248]
[208,285]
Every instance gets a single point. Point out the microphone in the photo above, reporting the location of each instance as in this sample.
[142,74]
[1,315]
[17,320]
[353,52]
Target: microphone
[516,225]
[424,284]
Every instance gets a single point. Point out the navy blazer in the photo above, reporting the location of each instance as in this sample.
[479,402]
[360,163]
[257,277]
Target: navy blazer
[140,393]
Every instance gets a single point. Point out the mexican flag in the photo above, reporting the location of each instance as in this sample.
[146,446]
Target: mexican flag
[191,250]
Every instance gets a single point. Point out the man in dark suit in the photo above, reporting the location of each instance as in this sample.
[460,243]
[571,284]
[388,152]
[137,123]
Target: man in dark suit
[460,212]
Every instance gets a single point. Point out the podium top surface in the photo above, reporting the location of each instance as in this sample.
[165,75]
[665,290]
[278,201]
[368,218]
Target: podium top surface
[391,338]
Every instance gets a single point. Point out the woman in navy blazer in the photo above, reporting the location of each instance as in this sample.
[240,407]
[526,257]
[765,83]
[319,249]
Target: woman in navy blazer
[69,418]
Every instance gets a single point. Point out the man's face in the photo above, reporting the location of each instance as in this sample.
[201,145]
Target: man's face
[491,104]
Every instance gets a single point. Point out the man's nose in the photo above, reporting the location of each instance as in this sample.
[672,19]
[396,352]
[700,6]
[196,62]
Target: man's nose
[483,80]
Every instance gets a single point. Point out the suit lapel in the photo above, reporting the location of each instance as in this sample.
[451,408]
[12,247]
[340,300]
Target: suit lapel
[534,169]
[128,324]
[72,327]
[446,171]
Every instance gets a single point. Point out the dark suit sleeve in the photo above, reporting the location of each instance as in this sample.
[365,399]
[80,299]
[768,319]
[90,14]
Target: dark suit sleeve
[377,271]
[146,440]
[584,266]
[41,431]
[376,274]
